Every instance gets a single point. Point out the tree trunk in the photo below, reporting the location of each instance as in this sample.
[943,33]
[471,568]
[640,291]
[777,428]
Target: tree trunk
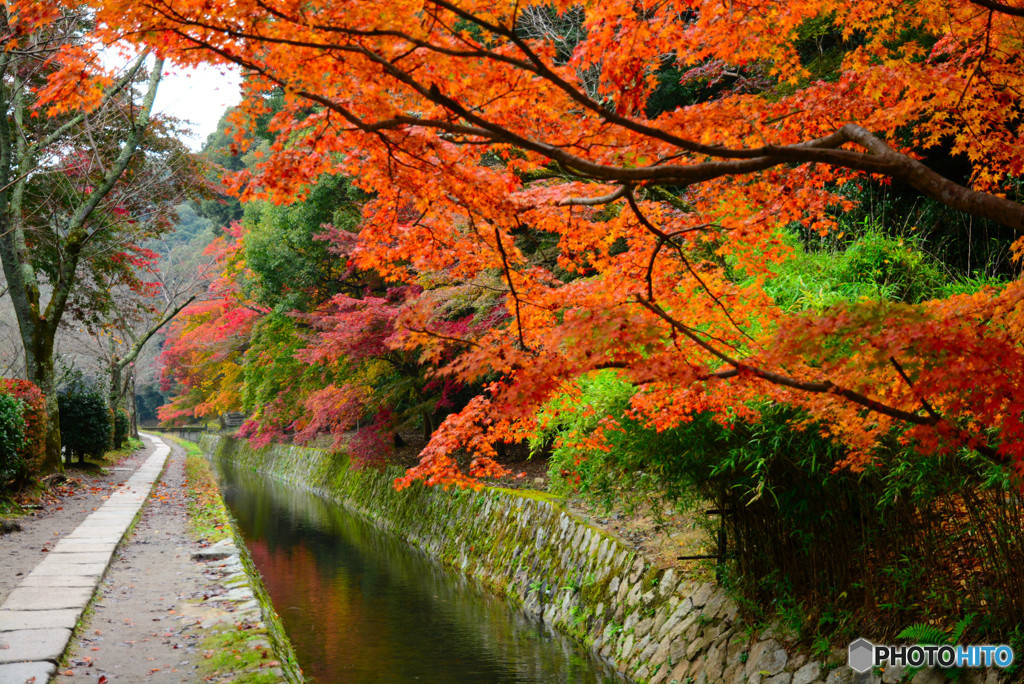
[114,391]
[133,416]
[39,368]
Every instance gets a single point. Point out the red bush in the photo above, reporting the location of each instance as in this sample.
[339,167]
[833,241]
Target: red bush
[35,420]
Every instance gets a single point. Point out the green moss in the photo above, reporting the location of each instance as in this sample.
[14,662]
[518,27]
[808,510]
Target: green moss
[487,533]
[652,575]
[207,516]
[210,519]
[239,654]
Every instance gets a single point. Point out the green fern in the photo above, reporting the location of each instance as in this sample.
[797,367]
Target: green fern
[924,634]
[930,634]
[961,627]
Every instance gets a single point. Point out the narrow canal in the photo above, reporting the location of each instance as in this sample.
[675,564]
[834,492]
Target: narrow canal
[361,605]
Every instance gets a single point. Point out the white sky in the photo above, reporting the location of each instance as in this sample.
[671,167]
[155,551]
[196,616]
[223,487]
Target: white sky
[198,95]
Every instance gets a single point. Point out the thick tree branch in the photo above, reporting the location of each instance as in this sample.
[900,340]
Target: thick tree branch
[1000,7]
[880,158]
[822,387]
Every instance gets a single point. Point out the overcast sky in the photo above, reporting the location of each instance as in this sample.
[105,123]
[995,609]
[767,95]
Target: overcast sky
[199,96]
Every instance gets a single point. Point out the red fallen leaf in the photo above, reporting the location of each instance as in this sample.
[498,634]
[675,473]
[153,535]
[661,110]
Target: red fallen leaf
[95,648]
[45,550]
[102,679]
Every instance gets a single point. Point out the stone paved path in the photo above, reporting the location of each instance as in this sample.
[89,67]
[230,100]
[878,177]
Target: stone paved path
[37,617]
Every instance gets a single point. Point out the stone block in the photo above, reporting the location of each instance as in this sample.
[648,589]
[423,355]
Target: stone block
[47,598]
[11,620]
[627,647]
[218,553]
[714,662]
[679,673]
[31,645]
[61,581]
[62,569]
[76,546]
[807,674]
[69,558]
[16,673]
[766,657]
[636,571]
[702,594]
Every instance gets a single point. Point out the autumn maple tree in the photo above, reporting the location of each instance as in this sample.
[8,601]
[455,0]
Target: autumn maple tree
[487,133]
[85,170]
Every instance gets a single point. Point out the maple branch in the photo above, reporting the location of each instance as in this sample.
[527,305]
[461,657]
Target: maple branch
[511,285]
[593,201]
[906,378]
[822,387]
[431,333]
[664,237]
[999,7]
[880,158]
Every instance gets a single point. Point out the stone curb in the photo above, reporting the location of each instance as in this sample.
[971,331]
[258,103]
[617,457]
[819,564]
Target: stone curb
[37,619]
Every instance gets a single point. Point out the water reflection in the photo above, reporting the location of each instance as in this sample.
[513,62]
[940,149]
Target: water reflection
[361,605]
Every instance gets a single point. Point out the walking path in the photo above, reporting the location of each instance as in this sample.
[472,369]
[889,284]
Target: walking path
[38,615]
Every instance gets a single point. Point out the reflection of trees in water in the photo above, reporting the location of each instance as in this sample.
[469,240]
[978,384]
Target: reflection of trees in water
[363,605]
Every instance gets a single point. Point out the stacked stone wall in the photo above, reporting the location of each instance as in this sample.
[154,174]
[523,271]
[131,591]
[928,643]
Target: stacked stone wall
[652,625]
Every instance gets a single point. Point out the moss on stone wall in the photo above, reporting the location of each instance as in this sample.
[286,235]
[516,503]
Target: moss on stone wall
[651,624]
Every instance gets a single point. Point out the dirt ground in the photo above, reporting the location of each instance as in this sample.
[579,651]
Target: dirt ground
[134,630]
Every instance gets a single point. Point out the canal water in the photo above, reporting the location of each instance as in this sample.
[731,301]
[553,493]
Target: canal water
[363,606]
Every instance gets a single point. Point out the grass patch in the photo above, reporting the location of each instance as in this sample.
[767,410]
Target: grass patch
[244,655]
[244,652]
[107,460]
[207,515]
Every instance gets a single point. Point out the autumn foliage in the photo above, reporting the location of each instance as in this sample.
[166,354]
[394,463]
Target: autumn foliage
[630,237]
[34,415]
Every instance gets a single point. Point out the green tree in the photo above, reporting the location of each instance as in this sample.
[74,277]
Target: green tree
[85,421]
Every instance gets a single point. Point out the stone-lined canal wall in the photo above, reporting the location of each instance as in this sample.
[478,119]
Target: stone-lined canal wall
[653,626]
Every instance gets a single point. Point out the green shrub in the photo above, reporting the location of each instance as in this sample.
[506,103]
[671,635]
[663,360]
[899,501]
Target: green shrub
[85,423]
[12,439]
[121,426]
[912,536]
[35,417]
[873,266]
[897,266]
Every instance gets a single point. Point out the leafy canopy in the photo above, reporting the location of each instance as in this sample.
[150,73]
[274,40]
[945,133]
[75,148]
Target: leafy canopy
[483,130]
